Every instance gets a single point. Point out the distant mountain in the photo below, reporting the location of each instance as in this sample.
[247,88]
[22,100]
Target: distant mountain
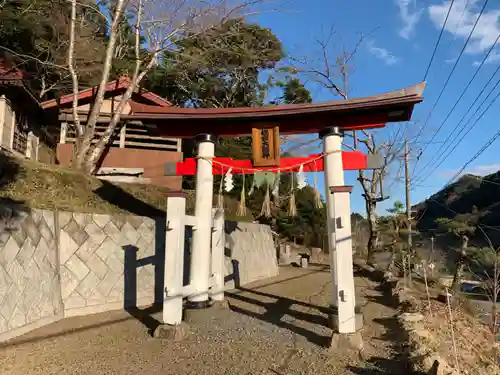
[477,198]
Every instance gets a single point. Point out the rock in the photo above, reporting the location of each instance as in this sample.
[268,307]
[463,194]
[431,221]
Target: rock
[388,275]
[412,317]
[316,255]
[435,365]
[171,332]
[347,343]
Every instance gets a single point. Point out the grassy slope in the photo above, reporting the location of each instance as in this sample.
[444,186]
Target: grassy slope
[56,188]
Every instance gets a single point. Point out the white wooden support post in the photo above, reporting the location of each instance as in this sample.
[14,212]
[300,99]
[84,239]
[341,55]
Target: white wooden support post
[29,145]
[200,254]
[174,259]
[3,109]
[339,233]
[64,130]
[13,130]
[218,259]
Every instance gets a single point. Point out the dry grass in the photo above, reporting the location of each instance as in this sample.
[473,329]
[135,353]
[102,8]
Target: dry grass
[57,188]
[53,187]
[473,338]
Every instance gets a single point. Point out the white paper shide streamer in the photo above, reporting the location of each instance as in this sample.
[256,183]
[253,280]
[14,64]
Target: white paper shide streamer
[228,181]
[301,178]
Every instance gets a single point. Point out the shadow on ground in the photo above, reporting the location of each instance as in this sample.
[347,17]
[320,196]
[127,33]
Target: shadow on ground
[280,312]
[398,362]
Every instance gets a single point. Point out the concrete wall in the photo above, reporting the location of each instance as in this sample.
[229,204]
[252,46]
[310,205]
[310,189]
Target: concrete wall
[60,264]
[29,278]
[107,262]
[250,253]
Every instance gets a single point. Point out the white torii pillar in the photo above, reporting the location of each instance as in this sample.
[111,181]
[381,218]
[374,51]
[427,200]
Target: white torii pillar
[339,233]
[202,233]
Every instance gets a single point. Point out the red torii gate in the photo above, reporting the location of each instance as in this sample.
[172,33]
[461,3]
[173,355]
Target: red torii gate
[330,120]
[351,161]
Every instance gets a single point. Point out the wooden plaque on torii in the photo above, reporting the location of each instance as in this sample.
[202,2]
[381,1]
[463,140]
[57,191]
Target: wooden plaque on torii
[266,146]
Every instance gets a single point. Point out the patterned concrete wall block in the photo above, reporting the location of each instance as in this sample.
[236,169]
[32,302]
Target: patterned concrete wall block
[97,266]
[88,285]
[75,301]
[9,252]
[49,217]
[107,283]
[64,218]
[96,299]
[130,233]
[18,319]
[146,232]
[77,267]
[101,220]
[76,232]
[252,247]
[69,282]
[28,272]
[112,231]
[67,247]
[31,230]
[25,254]
[82,219]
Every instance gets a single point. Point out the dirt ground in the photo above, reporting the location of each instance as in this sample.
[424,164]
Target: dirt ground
[278,326]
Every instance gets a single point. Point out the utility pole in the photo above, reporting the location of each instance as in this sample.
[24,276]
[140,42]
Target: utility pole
[408,206]
[431,256]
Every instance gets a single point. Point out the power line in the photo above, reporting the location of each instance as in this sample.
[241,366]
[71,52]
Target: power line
[452,71]
[483,149]
[460,98]
[438,41]
[467,112]
[470,128]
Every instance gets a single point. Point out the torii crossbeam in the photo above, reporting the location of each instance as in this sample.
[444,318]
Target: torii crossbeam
[330,120]
[351,161]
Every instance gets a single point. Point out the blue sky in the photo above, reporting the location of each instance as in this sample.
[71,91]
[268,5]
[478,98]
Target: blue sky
[395,56]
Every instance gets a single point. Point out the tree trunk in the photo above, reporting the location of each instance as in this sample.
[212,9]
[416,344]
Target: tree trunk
[372,233]
[459,271]
[392,260]
[457,277]
[85,151]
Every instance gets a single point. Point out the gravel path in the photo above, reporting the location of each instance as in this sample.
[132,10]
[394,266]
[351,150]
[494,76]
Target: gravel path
[274,327]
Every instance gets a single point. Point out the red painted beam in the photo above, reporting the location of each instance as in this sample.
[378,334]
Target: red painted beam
[351,161]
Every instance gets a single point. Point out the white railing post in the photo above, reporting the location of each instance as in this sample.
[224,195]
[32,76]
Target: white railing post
[200,252]
[174,259]
[218,259]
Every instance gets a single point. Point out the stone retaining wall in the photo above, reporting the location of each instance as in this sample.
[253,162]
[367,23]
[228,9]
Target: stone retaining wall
[60,264]
[30,293]
[422,357]
[250,253]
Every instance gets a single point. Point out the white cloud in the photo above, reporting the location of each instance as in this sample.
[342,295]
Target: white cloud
[410,16]
[461,20]
[480,170]
[382,54]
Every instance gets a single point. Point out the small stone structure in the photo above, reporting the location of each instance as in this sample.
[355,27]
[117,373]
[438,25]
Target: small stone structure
[250,253]
[59,264]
